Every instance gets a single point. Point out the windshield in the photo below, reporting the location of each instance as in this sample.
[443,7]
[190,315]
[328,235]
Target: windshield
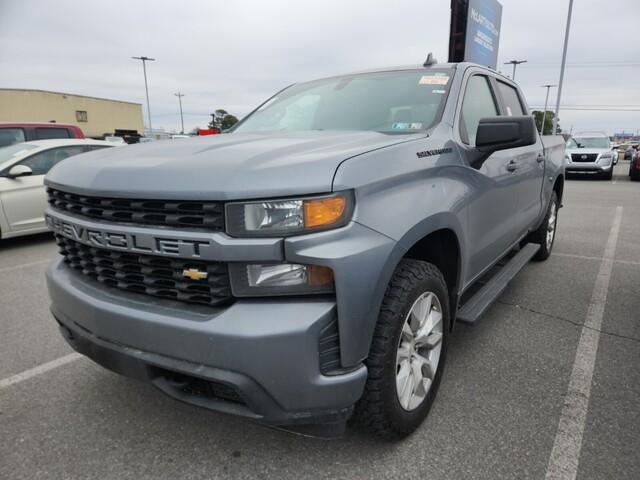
[7,153]
[588,142]
[389,102]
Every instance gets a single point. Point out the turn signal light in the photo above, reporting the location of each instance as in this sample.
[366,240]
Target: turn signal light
[324,211]
[319,276]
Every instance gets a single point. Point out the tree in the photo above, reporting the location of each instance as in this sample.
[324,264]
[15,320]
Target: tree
[548,122]
[222,120]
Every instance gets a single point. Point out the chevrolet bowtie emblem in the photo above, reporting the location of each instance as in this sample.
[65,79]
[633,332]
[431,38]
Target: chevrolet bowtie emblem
[194,274]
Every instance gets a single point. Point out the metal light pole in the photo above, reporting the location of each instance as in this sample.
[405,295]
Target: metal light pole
[515,63]
[180,95]
[564,60]
[146,88]
[546,101]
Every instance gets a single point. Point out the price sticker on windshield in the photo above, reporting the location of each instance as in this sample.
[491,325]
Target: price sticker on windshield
[434,80]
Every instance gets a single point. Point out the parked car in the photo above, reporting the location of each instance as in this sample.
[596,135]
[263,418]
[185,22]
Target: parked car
[614,151]
[11,133]
[630,151]
[634,166]
[590,153]
[308,265]
[22,170]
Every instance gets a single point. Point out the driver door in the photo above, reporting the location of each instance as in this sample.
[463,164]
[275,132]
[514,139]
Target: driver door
[493,206]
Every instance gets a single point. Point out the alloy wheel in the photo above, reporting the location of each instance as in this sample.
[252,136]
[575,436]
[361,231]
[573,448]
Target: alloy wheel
[419,351]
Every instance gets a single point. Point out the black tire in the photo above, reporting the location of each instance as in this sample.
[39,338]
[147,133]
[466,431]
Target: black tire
[540,235]
[634,175]
[379,410]
[608,175]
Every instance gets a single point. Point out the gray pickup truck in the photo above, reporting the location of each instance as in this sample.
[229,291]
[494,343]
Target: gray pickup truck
[307,268]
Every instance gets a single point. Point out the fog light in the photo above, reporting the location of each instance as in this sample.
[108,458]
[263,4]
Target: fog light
[279,279]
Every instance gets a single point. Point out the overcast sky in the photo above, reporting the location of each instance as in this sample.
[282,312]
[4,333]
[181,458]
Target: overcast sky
[234,54]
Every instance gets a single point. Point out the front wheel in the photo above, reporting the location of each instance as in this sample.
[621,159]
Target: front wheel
[545,235]
[407,353]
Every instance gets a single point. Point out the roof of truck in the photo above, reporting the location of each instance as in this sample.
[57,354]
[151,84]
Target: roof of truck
[435,66]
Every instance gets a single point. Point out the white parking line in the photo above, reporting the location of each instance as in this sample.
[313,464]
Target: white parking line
[24,265]
[565,455]
[572,255]
[40,369]
[586,257]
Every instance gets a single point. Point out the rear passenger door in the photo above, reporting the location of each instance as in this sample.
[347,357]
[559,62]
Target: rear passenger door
[493,204]
[529,161]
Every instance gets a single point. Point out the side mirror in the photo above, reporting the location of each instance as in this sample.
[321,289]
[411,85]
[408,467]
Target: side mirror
[19,171]
[501,133]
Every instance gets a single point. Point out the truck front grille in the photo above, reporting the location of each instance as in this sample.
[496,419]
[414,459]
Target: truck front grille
[183,214]
[588,157]
[149,274]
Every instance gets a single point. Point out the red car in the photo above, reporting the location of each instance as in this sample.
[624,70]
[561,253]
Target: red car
[634,166]
[18,132]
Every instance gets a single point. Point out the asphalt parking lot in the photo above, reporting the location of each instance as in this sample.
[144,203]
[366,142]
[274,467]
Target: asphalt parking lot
[497,414]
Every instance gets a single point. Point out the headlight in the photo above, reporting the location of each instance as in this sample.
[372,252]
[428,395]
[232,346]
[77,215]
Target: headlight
[255,280]
[275,218]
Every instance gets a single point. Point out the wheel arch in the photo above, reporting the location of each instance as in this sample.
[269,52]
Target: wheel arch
[435,240]
[442,249]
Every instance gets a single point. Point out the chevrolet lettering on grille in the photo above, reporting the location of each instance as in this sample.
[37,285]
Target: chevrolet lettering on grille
[127,241]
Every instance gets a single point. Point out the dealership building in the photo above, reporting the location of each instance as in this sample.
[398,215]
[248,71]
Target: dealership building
[95,116]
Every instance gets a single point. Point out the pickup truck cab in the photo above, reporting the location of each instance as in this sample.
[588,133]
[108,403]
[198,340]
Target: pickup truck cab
[308,266]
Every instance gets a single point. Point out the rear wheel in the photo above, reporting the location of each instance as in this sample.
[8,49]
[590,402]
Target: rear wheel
[407,352]
[545,235]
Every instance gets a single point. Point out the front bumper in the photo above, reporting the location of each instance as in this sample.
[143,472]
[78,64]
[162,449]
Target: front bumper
[587,168]
[258,358]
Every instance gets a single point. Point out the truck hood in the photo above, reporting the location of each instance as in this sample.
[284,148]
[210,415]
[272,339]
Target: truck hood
[219,167]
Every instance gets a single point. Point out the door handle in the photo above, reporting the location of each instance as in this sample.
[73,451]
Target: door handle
[540,158]
[512,166]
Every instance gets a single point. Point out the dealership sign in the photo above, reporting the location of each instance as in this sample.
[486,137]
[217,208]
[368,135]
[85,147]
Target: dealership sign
[483,32]
[475,31]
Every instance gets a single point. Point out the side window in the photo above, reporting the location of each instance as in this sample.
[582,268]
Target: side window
[478,103]
[9,136]
[48,133]
[511,99]
[42,162]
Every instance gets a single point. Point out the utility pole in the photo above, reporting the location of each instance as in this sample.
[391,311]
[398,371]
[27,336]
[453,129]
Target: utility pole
[564,61]
[515,63]
[180,95]
[546,101]
[146,87]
